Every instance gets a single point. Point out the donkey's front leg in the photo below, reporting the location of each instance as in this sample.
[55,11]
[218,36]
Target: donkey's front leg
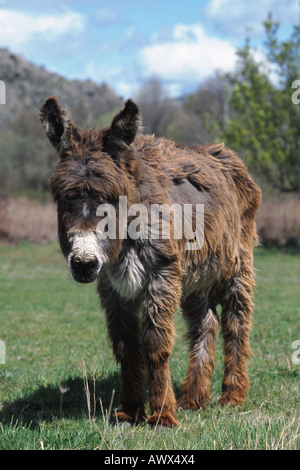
[125,334]
[161,300]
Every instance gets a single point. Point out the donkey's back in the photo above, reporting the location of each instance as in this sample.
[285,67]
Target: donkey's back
[213,177]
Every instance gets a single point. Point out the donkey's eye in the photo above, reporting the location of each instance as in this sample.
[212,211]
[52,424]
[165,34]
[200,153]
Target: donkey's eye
[113,200]
[65,206]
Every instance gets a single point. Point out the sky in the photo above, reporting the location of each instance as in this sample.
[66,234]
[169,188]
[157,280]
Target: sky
[126,42]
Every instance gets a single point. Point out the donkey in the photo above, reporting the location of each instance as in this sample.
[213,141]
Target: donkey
[141,281]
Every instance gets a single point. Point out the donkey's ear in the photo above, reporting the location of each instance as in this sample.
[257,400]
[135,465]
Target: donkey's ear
[61,131]
[123,129]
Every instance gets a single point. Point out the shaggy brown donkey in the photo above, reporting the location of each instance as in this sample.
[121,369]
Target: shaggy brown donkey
[156,274]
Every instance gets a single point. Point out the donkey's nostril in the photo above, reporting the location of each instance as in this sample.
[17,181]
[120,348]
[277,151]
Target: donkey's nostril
[92,264]
[81,264]
[84,271]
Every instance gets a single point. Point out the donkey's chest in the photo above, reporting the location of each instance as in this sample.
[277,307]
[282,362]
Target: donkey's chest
[127,275]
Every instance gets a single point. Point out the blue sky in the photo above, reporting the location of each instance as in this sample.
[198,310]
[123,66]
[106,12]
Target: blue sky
[124,42]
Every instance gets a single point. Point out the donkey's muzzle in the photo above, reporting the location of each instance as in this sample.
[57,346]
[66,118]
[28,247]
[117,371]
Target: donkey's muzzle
[84,271]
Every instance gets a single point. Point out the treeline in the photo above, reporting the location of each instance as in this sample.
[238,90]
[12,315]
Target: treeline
[255,110]
[26,159]
[251,110]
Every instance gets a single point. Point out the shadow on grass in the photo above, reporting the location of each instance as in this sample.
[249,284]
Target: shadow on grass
[66,400]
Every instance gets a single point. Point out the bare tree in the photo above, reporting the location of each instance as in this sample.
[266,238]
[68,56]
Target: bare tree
[155,106]
[211,103]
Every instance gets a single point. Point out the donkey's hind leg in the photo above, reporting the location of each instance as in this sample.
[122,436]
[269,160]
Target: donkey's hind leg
[236,325]
[202,328]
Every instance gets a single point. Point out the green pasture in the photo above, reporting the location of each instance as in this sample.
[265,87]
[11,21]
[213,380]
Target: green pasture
[59,384]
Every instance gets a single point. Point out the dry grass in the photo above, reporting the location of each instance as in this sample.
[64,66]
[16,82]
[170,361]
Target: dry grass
[23,219]
[278,220]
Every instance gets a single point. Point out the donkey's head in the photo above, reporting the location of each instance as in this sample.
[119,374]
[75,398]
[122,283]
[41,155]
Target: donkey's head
[94,169]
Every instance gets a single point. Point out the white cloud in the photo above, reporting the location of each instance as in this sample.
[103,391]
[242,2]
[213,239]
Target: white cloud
[239,18]
[94,70]
[105,17]
[190,56]
[127,89]
[17,28]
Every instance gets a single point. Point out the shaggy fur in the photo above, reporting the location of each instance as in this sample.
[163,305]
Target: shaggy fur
[156,276]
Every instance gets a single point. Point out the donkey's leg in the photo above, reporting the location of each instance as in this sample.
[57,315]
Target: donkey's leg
[125,334]
[202,328]
[236,324]
[158,334]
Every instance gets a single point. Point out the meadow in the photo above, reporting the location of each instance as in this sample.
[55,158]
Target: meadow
[59,385]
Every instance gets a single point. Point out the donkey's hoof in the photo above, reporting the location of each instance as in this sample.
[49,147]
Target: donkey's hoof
[160,428]
[123,420]
[161,421]
[124,424]
[188,403]
[230,398]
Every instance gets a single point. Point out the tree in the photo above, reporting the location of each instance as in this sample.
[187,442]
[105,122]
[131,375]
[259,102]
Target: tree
[264,123]
[155,106]
[26,161]
[210,106]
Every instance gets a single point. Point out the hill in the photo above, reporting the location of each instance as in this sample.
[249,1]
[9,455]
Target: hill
[27,86]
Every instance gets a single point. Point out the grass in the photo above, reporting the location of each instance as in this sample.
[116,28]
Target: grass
[60,382]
